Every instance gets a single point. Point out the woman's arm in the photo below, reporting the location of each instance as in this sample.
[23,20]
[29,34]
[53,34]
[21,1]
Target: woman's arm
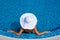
[39,33]
[17,33]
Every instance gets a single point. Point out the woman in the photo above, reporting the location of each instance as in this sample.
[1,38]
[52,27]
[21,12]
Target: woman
[28,22]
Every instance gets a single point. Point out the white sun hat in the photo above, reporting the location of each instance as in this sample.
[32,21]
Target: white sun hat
[28,21]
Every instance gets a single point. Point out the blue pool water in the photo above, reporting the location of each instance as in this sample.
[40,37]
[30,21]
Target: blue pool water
[46,11]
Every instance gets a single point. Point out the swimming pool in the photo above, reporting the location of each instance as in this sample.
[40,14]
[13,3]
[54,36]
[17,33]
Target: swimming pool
[46,11]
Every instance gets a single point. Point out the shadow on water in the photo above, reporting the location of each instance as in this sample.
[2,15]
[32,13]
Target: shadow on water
[15,26]
[55,28]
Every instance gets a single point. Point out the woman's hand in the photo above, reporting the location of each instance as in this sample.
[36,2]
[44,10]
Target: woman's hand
[46,32]
[10,31]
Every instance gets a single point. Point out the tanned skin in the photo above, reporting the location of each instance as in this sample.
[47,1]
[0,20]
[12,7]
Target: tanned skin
[27,30]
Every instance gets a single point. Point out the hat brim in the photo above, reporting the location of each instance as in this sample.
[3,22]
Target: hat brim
[25,25]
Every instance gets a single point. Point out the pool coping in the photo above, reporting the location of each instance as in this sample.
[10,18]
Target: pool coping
[49,38]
